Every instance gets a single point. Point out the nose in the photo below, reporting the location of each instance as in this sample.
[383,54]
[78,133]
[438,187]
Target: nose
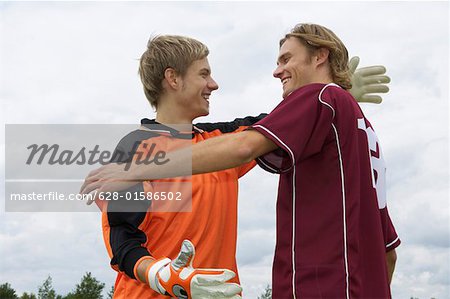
[277,72]
[212,84]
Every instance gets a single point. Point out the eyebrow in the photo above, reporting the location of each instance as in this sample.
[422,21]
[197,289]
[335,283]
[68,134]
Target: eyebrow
[280,58]
[205,70]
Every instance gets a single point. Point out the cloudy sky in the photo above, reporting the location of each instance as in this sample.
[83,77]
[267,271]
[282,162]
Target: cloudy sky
[76,63]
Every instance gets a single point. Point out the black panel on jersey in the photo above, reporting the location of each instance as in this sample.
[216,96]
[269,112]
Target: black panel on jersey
[228,127]
[125,237]
[153,125]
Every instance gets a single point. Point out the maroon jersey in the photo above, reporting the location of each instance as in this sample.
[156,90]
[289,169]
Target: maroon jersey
[333,227]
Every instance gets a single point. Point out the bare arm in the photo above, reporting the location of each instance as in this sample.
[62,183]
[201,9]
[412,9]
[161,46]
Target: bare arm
[391,259]
[214,154]
[229,151]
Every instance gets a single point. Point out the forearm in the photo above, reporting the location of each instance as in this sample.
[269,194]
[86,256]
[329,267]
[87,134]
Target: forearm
[126,235]
[214,154]
[221,153]
[391,259]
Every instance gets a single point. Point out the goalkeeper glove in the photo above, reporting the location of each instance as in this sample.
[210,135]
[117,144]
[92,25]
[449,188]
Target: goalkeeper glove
[179,279]
[368,80]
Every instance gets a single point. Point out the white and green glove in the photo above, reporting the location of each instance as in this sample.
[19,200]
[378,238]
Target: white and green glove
[177,278]
[368,82]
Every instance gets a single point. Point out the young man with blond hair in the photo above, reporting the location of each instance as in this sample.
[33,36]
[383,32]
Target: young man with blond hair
[323,211]
[143,238]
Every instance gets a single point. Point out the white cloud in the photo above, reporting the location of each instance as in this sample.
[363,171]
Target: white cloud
[63,245]
[419,279]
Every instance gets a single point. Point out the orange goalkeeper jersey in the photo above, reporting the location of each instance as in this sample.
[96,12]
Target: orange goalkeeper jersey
[211,223]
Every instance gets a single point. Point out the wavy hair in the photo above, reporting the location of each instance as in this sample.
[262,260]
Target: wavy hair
[314,37]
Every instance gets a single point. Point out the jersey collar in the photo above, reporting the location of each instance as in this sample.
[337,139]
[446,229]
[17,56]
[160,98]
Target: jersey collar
[161,129]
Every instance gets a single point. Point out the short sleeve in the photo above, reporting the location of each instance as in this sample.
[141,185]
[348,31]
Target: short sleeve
[235,126]
[299,125]
[391,239]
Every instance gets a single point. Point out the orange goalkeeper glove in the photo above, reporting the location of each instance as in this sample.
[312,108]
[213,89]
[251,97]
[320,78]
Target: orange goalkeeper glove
[179,279]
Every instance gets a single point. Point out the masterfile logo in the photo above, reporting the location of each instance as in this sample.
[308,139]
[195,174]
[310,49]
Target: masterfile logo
[46,166]
[52,155]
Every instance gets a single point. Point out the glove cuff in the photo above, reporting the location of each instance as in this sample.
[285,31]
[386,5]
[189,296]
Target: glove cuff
[138,263]
[152,271]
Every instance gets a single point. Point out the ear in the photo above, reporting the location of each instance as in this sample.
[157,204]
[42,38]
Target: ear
[321,56]
[172,78]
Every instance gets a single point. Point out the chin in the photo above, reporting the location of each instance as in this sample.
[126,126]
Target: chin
[287,91]
[203,113]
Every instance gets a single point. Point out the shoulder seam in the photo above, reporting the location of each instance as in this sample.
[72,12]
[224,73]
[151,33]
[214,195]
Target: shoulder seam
[325,103]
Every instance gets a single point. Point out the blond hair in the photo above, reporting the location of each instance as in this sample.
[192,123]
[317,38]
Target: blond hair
[167,51]
[314,37]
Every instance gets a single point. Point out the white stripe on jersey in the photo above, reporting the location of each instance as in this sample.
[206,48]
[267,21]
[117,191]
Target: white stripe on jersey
[347,291]
[267,165]
[293,204]
[294,197]
[343,211]
[396,239]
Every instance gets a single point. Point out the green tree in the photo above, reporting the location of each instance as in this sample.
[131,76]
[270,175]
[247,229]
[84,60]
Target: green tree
[88,288]
[111,293]
[28,296]
[267,293]
[46,290]
[7,292]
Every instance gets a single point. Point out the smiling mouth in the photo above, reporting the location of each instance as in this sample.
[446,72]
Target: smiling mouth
[285,80]
[206,97]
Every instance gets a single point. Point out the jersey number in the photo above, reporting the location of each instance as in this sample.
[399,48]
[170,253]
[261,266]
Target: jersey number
[377,163]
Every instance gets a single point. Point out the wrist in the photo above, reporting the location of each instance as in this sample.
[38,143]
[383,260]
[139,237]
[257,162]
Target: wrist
[152,276]
[140,267]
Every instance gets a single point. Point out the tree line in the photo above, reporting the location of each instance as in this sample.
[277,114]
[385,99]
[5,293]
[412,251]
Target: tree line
[88,288]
